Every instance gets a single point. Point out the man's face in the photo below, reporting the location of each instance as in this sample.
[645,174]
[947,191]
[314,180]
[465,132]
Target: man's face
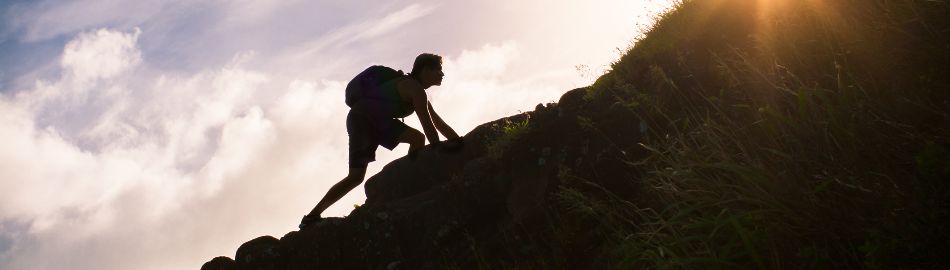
[433,75]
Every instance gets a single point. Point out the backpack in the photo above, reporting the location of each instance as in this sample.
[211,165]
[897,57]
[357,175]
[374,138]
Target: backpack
[367,83]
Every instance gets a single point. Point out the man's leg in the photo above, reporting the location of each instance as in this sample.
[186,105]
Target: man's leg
[414,138]
[336,192]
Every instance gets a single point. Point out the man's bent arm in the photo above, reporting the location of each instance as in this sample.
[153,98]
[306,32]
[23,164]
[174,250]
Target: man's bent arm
[443,128]
[419,97]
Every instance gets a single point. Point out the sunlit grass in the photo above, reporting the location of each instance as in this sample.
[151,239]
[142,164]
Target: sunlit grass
[510,132]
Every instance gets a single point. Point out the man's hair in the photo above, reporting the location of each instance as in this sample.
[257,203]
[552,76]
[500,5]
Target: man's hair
[425,60]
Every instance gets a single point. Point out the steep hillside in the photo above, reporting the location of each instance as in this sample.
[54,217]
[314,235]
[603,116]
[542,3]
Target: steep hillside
[736,134]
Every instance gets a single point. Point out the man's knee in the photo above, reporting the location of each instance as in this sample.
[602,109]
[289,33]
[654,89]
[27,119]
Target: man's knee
[350,182]
[413,137]
[356,175]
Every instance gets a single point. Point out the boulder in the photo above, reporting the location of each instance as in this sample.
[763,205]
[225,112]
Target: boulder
[219,263]
[261,253]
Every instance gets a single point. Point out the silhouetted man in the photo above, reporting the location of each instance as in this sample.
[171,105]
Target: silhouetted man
[372,122]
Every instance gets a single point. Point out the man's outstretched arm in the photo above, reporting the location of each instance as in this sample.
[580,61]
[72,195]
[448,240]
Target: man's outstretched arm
[443,128]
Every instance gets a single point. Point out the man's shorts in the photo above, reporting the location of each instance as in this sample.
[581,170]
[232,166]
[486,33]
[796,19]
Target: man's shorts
[367,133]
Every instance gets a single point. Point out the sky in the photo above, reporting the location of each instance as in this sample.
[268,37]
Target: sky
[158,134]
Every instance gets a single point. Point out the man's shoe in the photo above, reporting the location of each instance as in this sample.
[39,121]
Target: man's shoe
[309,221]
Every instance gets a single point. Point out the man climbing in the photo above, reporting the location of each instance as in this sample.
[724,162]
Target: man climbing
[372,121]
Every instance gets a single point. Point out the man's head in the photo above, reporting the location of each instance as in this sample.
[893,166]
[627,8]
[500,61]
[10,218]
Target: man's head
[427,69]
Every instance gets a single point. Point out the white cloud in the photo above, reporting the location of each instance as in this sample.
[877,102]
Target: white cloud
[490,61]
[241,140]
[137,142]
[101,54]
